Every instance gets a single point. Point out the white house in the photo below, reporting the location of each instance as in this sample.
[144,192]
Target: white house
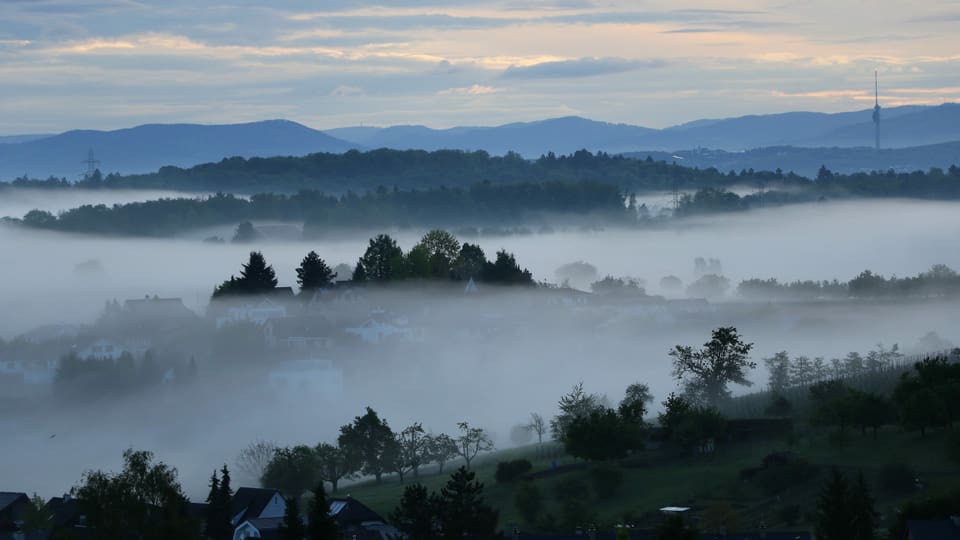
[257,313]
[308,377]
[255,503]
[374,331]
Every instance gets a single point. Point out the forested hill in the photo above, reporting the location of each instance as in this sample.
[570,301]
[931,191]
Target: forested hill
[416,169]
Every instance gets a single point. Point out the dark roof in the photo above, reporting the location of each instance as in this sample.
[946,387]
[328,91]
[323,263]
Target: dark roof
[932,529]
[250,501]
[8,499]
[349,511]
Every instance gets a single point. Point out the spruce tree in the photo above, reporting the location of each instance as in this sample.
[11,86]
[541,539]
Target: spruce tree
[313,273]
[862,514]
[415,516]
[461,510]
[321,524]
[291,528]
[212,521]
[257,276]
[834,509]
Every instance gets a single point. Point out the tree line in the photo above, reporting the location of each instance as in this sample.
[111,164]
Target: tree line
[939,281]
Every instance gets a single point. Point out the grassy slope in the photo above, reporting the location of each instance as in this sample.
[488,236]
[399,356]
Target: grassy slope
[652,483]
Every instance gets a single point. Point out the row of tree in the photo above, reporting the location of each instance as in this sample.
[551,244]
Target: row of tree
[940,280]
[437,256]
[786,372]
[368,446]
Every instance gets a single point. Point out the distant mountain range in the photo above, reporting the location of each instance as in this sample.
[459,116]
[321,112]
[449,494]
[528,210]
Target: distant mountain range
[149,147]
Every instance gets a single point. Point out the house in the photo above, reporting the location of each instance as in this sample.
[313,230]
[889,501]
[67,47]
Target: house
[376,330]
[354,519]
[67,515]
[307,377]
[307,334]
[933,529]
[258,313]
[267,528]
[255,503]
[12,506]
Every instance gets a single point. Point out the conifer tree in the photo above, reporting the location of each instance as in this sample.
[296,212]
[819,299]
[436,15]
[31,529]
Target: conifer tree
[863,516]
[257,276]
[321,525]
[461,510]
[834,509]
[212,521]
[292,528]
[313,273]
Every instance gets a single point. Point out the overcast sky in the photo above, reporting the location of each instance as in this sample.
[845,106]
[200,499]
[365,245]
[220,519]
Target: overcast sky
[107,64]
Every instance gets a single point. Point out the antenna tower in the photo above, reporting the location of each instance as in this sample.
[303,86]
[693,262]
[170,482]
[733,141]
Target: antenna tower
[876,108]
[92,164]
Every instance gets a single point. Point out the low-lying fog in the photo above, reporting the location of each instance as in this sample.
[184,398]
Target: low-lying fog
[17,202]
[454,375]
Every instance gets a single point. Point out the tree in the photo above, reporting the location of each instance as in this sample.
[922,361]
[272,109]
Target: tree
[802,372]
[461,509]
[710,286]
[313,273]
[359,273]
[707,372]
[472,441]
[633,406]
[36,516]
[442,250]
[291,528]
[253,459]
[414,449]
[415,515]
[369,445]
[441,449]
[539,426]
[470,263]
[217,523]
[505,270]
[575,404]
[845,511]
[144,501]
[602,435]
[320,524]
[292,470]
[332,464]
[778,366]
[245,233]
[383,260]
[256,277]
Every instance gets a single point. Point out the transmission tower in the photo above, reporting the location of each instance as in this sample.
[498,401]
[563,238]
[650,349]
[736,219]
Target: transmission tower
[876,107]
[92,164]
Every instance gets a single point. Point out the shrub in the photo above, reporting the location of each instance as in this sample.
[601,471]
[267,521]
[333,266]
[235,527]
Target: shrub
[529,502]
[897,477]
[511,471]
[606,481]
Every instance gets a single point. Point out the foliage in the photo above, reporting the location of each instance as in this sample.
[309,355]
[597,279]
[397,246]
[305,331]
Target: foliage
[897,477]
[415,516]
[844,511]
[313,273]
[511,471]
[291,528]
[675,528]
[710,286]
[245,233]
[36,516]
[706,372]
[292,470]
[528,501]
[612,285]
[926,397]
[935,507]
[256,277]
[320,524]
[383,260]
[332,464]
[577,403]
[414,449]
[144,500]
[606,480]
[441,449]
[602,435]
[461,509]
[369,445]
[633,406]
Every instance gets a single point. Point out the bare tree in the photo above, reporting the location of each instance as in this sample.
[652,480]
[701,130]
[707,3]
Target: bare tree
[414,450]
[539,426]
[472,441]
[253,459]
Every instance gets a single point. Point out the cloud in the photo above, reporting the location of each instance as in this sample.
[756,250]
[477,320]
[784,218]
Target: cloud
[581,67]
[347,91]
[475,90]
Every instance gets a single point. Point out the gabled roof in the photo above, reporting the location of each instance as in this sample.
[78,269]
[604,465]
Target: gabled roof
[349,511]
[250,502]
[932,529]
[8,499]
[65,511]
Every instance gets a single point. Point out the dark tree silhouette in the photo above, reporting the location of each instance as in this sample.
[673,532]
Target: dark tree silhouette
[415,515]
[369,445]
[313,273]
[383,260]
[321,525]
[461,510]
[706,372]
[291,528]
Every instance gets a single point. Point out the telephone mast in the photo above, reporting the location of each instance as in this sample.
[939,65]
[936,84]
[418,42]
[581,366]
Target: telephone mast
[876,108]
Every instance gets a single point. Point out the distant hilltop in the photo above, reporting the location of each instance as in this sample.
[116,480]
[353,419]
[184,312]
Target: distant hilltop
[147,148]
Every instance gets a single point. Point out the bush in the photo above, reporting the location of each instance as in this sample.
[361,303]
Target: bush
[778,477]
[606,481]
[529,502]
[511,471]
[897,477]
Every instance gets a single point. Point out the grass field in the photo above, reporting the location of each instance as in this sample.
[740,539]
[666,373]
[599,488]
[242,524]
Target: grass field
[652,479]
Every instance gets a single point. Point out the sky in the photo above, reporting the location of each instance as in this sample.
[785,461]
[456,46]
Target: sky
[109,64]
